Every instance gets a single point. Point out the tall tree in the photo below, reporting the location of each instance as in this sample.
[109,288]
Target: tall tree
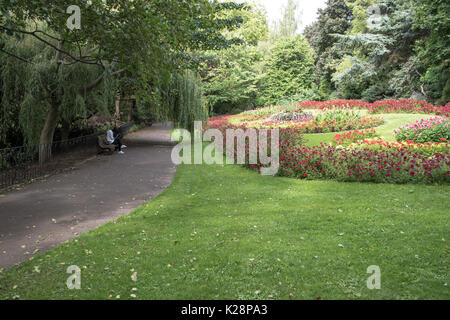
[290,20]
[290,69]
[149,39]
[334,19]
[379,63]
[233,77]
[434,49]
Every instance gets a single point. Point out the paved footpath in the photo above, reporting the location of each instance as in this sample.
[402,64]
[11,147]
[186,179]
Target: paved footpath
[46,213]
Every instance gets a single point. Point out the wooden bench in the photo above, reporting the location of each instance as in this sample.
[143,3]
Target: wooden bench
[103,146]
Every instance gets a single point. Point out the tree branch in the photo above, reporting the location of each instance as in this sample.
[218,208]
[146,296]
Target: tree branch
[16,56]
[48,43]
[97,81]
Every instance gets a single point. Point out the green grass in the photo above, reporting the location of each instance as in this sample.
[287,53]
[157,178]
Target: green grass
[392,121]
[224,232]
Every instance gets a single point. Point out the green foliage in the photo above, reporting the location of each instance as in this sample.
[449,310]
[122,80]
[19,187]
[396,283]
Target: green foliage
[406,79]
[289,69]
[67,83]
[334,19]
[382,62]
[190,101]
[435,80]
[74,72]
[434,17]
[232,79]
[445,94]
[12,90]
[254,27]
[309,94]
[352,77]
[337,115]
[184,100]
[290,21]
[360,15]
[425,130]
[376,91]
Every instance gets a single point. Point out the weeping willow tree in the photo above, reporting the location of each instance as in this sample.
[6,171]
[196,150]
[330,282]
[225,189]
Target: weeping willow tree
[181,100]
[44,92]
[189,106]
[12,90]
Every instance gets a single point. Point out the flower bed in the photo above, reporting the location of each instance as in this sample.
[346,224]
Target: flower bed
[313,126]
[348,138]
[357,158]
[435,129]
[425,149]
[329,162]
[383,106]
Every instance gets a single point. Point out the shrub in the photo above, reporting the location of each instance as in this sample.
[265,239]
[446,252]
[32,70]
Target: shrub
[337,115]
[308,94]
[287,115]
[435,129]
[289,69]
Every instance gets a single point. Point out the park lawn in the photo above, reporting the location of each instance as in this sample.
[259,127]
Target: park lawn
[225,232]
[392,121]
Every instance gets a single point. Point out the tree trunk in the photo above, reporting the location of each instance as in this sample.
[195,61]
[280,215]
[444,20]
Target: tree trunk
[65,131]
[132,108]
[117,114]
[46,139]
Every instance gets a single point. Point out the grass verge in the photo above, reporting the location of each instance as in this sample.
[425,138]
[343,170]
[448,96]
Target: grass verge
[224,232]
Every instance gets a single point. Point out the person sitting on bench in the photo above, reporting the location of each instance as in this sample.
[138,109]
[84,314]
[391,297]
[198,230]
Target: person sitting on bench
[114,137]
